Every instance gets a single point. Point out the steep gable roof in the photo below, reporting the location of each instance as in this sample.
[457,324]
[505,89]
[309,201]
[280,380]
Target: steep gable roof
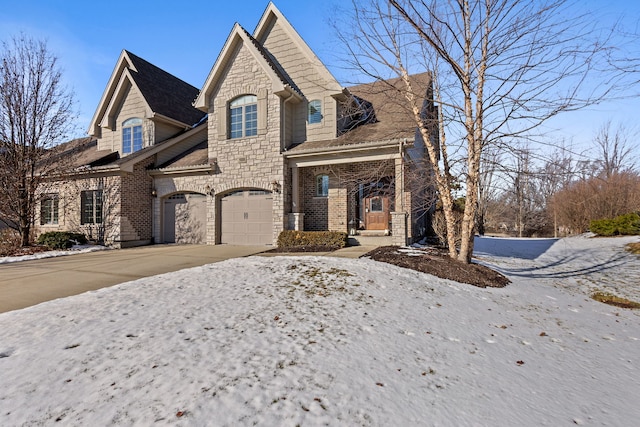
[272,15]
[166,96]
[280,84]
[165,93]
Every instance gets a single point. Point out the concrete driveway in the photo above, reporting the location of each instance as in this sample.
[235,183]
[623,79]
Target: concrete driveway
[27,283]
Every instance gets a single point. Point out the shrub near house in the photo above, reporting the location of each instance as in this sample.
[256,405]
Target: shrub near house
[61,239]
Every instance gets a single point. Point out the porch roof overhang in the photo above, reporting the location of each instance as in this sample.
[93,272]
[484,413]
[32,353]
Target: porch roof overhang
[184,170]
[352,153]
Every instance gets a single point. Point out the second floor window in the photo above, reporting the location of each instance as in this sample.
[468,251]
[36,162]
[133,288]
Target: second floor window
[315,111]
[91,207]
[243,116]
[131,135]
[49,209]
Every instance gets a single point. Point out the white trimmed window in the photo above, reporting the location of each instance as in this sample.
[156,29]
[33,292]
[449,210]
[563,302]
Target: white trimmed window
[131,135]
[49,209]
[322,185]
[315,111]
[243,116]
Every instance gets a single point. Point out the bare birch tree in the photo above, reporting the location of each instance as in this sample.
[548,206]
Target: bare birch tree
[500,69]
[36,113]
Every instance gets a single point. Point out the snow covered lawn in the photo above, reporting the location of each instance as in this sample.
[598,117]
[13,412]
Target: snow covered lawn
[315,340]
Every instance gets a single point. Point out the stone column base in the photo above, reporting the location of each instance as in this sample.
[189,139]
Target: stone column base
[399,228]
[296,221]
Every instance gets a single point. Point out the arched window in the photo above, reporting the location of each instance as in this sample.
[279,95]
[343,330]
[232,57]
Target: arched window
[131,135]
[315,111]
[243,116]
[322,185]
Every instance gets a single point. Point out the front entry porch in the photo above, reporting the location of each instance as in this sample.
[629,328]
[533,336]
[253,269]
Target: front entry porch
[360,198]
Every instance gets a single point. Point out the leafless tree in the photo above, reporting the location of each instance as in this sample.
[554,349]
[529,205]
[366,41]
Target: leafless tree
[585,200]
[491,164]
[555,174]
[500,69]
[604,187]
[615,149]
[36,113]
[92,205]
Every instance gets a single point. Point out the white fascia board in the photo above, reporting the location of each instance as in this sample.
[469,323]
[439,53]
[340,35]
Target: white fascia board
[123,63]
[271,13]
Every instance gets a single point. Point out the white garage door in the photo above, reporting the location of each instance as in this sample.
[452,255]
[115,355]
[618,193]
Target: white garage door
[185,218]
[247,218]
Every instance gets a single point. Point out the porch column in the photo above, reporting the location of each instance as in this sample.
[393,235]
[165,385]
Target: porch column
[398,228]
[296,218]
[399,177]
[399,217]
[337,206]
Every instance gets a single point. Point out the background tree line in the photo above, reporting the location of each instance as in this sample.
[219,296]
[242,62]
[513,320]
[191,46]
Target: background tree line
[524,193]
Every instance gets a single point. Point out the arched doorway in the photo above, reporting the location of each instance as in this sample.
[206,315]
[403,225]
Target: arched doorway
[185,218]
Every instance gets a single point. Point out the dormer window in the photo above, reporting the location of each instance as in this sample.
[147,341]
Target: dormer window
[131,135]
[243,116]
[315,111]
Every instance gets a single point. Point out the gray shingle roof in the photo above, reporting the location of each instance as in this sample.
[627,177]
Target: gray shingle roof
[389,120]
[165,93]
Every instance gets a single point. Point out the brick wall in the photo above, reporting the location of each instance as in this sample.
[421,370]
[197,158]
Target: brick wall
[338,209]
[137,212]
[69,208]
[321,213]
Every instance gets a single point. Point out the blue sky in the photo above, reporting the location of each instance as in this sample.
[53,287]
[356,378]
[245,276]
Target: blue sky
[185,37]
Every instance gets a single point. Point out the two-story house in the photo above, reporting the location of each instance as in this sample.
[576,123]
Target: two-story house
[270,142]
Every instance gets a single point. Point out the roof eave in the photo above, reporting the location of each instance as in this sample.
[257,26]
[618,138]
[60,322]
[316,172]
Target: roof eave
[365,146]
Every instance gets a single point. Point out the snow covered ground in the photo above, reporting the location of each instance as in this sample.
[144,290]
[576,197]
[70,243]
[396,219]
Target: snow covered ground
[76,249]
[324,341]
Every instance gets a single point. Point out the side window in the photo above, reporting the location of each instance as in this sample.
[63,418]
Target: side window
[91,207]
[49,209]
[315,111]
[131,135]
[322,185]
[243,116]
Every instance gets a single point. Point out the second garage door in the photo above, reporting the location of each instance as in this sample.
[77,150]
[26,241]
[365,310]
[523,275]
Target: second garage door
[247,218]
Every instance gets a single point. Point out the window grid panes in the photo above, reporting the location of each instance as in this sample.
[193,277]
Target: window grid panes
[131,135]
[91,206]
[49,209]
[322,185]
[243,117]
[315,111]
[251,120]
[137,138]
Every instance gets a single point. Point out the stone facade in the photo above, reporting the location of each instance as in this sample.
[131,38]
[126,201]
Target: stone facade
[279,69]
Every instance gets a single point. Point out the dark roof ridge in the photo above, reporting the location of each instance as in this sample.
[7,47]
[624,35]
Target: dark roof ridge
[165,93]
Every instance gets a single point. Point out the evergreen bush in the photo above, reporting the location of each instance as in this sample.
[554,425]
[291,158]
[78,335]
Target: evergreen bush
[61,239]
[623,225]
[329,239]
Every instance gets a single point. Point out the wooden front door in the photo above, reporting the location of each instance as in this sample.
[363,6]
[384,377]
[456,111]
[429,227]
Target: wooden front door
[376,214]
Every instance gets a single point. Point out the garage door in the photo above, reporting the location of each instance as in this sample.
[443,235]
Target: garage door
[247,218]
[185,218]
